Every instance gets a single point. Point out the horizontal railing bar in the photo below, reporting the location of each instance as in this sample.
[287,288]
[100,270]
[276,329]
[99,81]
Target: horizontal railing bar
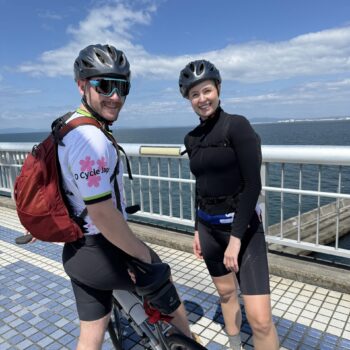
[345,253]
[11,165]
[160,178]
[307,154]
[172,219]
[300,154]
[306,192]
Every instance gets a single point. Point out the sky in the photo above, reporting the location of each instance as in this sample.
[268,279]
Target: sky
[279,59]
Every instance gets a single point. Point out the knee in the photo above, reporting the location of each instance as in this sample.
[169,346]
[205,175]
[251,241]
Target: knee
[227,294]
[261,325]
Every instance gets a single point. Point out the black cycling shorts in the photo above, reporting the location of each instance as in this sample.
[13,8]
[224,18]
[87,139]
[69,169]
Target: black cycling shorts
[96,267]
[253,274]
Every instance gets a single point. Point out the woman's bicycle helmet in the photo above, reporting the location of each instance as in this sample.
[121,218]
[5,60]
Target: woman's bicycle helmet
[101,61]
[196,72]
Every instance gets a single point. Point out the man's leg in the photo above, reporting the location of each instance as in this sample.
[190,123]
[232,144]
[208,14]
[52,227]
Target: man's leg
[92,333]
[180,320]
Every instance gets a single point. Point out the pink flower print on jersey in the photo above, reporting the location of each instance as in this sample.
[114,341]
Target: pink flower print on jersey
[86,164]
[101,163]
[94,180]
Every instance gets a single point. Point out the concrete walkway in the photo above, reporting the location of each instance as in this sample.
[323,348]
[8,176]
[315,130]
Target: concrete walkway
[37,309]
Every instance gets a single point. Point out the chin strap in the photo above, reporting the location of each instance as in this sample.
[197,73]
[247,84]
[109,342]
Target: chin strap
[104,122]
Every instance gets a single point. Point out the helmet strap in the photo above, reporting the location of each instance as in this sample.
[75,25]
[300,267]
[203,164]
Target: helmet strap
[94,113]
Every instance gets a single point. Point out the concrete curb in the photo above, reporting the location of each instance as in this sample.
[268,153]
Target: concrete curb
[333,278]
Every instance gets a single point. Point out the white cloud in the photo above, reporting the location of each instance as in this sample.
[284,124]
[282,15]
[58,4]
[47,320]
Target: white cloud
[107,24]
[323,52]
[49,15]
[309,93]
[9,92]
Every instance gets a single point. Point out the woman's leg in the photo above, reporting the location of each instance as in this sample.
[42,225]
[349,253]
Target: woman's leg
[227,288]
[213,242]
[259,315]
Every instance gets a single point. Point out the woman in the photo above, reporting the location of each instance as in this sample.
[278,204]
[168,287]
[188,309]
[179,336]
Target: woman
[225,157]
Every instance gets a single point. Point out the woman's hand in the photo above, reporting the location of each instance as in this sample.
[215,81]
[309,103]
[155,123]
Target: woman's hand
[197,246]
[231,254]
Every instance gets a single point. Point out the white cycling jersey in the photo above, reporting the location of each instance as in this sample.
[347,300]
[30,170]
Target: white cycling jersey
[87,162]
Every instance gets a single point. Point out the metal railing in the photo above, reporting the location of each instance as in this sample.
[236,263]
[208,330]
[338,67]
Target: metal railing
[305,197]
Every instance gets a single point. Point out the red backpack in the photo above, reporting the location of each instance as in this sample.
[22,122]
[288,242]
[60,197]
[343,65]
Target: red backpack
[40,202]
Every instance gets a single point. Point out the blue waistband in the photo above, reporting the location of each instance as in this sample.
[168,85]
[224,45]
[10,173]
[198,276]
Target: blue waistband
[216,219]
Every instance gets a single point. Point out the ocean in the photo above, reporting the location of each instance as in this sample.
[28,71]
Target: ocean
[297,133]
[335,132]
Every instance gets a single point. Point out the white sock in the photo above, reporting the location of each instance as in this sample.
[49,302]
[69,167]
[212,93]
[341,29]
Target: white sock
[235,341]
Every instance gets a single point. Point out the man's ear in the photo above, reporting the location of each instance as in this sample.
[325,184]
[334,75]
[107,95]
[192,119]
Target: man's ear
[81,86]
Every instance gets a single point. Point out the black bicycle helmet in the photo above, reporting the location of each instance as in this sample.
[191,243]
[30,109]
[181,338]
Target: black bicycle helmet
[103,61]
[196,72]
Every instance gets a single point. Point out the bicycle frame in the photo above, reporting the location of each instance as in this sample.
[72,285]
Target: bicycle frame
[132,308]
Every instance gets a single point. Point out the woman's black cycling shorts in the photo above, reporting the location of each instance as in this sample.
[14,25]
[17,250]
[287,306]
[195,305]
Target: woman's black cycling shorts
[253,274]
[96,267]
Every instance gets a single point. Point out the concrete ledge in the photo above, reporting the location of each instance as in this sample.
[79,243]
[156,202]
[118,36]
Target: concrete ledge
[311,272]
[306,271]
[7,202]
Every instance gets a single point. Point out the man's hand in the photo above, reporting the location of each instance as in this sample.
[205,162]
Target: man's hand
[231,254]
[197,246]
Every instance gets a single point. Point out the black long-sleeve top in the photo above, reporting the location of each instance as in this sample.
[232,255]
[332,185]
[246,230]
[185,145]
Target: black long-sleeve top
[225,158]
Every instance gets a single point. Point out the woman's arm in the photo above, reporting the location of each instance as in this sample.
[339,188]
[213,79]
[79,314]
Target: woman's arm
[248,152]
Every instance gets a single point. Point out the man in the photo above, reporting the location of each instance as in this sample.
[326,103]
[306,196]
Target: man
[96,264]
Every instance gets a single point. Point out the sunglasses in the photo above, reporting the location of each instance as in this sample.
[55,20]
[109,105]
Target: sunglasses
[108,86]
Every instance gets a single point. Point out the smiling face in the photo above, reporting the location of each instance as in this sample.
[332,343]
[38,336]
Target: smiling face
[204,98]
[107,107]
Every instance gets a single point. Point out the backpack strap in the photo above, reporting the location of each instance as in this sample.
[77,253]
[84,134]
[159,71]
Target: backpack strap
[60,128]
[183,152]
[127,162]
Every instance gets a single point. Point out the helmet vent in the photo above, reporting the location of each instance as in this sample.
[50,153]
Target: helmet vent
[100,57]
[121,60]
[192,67]
[111,52]
[87,64]
[201,68]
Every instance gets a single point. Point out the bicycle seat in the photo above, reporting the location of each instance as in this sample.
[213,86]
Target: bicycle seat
[149,277]
[153,283]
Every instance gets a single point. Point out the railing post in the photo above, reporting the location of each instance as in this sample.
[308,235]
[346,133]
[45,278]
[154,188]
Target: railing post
[263,196]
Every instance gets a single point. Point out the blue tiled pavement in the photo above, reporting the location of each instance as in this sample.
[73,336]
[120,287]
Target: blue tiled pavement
[37,309]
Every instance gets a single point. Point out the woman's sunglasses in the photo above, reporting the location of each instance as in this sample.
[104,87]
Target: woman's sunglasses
[108,86]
